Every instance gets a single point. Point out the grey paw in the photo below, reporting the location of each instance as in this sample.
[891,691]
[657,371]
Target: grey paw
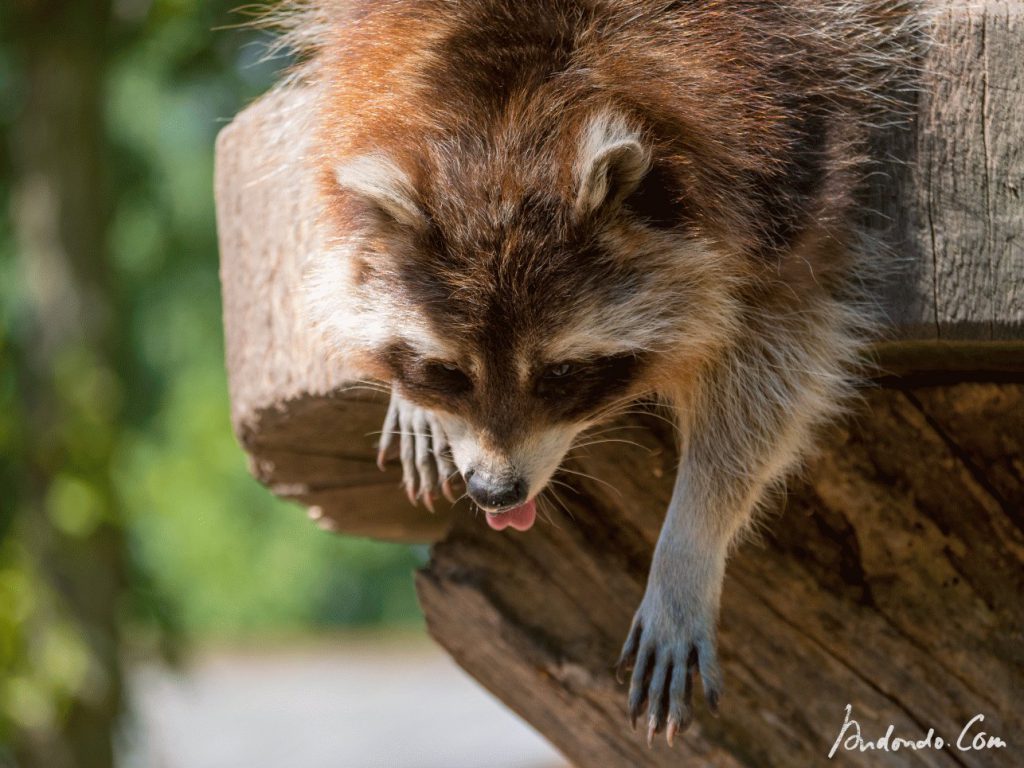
[422,448]
[664,655]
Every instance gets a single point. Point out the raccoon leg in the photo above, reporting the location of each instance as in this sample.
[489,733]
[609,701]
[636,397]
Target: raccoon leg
[745,425]
[673,632]
[422,448]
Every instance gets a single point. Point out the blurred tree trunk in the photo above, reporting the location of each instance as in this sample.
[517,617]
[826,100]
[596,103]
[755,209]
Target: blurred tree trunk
[68,517]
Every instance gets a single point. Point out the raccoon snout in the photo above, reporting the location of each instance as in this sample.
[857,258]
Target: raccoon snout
[495,494]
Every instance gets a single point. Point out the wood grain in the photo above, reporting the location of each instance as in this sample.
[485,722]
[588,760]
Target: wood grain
[891,578]
[971,156]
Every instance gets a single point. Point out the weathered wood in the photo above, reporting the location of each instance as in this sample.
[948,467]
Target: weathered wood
[308,427]
[892,580]
[971,161]
[951,198]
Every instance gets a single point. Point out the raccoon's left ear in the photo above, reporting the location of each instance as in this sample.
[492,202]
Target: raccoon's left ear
[383,187]
[611,163]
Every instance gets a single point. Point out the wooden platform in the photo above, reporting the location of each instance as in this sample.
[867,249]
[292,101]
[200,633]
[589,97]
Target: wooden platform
[892,576]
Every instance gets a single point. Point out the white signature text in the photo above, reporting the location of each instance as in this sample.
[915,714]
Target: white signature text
[971,738]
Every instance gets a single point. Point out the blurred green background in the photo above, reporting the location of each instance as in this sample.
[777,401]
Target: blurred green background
[128,523]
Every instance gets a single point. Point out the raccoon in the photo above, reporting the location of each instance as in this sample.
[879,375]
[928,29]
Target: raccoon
[540,212]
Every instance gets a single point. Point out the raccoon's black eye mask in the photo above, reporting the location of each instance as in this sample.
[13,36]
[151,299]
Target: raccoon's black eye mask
[439,376]
[576,388]
[567,390]
[432,381]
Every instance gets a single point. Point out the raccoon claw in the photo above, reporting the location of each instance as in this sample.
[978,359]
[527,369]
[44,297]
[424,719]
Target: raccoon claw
[445,468]
[446,489]
[387,433]
[670,731]
[422,450]
[664,656]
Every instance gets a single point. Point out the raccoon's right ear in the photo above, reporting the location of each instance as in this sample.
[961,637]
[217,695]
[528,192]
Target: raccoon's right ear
[385,189]
[612,162]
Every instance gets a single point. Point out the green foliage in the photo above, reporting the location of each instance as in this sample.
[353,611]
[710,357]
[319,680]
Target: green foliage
[236,559]
[140,475]
[221,554]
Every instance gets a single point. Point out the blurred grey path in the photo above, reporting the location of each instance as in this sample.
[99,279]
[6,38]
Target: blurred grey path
[340,705]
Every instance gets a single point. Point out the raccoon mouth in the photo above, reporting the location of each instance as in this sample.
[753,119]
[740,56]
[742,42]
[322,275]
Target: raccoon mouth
[519,518]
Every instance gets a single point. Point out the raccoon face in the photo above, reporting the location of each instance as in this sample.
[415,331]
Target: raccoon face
[519,293]
[511,415]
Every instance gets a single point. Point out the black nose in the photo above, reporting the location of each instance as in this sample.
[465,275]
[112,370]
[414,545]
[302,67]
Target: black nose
[495,493]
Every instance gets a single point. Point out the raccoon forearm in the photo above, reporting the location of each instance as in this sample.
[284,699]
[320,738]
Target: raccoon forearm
[751,421]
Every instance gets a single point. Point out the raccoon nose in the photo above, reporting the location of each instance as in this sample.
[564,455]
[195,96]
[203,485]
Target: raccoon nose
[493,493]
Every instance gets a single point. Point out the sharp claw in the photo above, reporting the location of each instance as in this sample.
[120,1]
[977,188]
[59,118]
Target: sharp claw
[428,501]
[638,687]
[622,667]
[670,731]
[652,727]
[712,698]
[446,489]
[410,492]
[629,651]
[387,434]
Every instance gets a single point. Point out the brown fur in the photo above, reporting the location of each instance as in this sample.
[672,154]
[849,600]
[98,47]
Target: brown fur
[756,130]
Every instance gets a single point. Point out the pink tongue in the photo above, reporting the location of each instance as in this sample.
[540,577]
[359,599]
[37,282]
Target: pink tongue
[520,518]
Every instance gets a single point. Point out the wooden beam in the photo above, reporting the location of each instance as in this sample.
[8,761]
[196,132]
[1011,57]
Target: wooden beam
[951,195]
[308,427]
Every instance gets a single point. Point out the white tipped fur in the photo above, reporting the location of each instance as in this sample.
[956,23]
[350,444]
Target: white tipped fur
[352,321]
[612,161]
[379,181]
[681,307]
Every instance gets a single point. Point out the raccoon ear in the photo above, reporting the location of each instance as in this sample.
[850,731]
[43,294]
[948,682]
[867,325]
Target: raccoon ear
[612,162]
[386,189]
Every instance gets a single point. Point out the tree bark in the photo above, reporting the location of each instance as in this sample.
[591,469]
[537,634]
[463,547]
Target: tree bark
[67,383]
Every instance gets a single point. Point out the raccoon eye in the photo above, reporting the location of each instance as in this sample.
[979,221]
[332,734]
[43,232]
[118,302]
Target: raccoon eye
[559,370]
[554,379]
[447,376]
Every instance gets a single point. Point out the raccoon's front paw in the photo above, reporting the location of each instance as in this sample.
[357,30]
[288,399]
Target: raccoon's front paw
[669,641]
[422,448]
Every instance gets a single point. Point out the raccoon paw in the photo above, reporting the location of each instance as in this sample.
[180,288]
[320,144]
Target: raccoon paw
[422,448]
[664,651]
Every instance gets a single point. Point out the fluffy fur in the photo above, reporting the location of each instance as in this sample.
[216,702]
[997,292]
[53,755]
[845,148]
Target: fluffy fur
[541,211]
